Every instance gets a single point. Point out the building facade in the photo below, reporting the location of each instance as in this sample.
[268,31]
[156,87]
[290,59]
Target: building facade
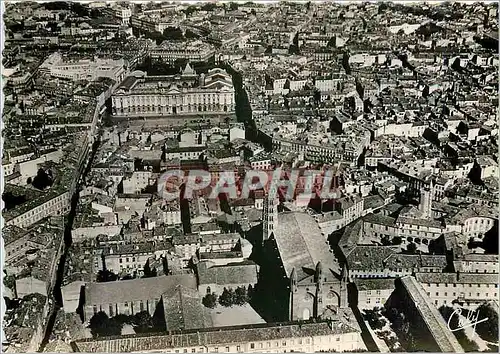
[57,205]
[195,51]
[187,93]
[469,289]
[267,338]
[129,297]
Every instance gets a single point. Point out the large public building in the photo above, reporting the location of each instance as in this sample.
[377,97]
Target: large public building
[140,95]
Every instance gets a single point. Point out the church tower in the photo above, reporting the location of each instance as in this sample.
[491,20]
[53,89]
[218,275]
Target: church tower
[426,197]
[293,291]
[344,280]
[270,214]
[318,279]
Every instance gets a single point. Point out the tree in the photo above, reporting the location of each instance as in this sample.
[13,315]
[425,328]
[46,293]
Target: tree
[240,296]
[411,248]
[101,325]
[382,7]
[209,300]
[190,9]
[42,180]
[105,276]
[57,5]
[208,7]
[396,240]
[250,292]
[79,9]
[122,319]
[143,322]
[375,319]
[191,34]
[385,241]
[173,33]
[488,330]
[317,96]
[227,298]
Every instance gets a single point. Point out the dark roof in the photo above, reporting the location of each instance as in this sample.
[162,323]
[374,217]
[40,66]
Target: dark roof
[374,284]
[369,257]
[135,290]
[460,278]
[232,273]
[301,245]
[218,336]
[379,219]
[183,309]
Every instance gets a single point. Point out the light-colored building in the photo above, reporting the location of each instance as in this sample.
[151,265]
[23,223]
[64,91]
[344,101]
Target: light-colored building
[130,258]
[195,51]
[129,297]
[386,262]
[373,292]
[71,295]
[467,288]
[305,337]
[214,278]
[188,93]
[477,263]
[54,204]
[137,181]
[58,66]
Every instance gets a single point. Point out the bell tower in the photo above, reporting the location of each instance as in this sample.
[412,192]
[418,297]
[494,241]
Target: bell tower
[293,292]
[344,280]
[270,214]
[318,279]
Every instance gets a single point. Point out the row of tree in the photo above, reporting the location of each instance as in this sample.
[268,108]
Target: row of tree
[101,325]
[229,297]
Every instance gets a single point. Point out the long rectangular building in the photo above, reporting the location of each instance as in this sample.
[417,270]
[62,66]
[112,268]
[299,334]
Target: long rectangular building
[308,337]
[187,93]
[470,289]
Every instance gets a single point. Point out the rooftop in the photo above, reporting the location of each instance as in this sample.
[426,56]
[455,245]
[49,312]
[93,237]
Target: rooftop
[135,289]
[218,336]
[301,245]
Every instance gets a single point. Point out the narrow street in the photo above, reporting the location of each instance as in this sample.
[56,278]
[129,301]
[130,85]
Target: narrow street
[56,294]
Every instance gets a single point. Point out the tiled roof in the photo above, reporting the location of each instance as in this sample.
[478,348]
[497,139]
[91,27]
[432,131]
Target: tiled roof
[301,244]
[232,273]
[379,219]
[213,337]
[457,278]
[183,309]
[136,289]
[479,257]
[369,257]
[374,284]
[387,257]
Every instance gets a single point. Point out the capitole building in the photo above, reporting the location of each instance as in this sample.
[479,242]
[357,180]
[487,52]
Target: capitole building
[140,95]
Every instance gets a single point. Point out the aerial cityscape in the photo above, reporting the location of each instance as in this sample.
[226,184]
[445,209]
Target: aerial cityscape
[208,177]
